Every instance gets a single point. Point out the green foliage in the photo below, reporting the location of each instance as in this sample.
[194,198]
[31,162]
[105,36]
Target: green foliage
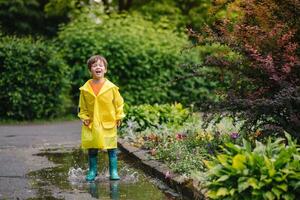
[148,116]
[33,82]
[69,9]
[182,13]
[186,148]
[163,12]
[177,137]
[270,171]
[140,58]
[163,131]
[27,17]
[179,156]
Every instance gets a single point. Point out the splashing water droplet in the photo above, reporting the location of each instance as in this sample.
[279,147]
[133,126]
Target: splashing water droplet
[76,176]
[129,176]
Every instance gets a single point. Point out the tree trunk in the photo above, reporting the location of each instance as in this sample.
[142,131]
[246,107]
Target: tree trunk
[106,5]
[124,5]
[128,4]
[121,5]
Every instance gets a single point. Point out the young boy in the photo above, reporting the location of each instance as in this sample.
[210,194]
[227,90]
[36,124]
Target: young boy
[101,111]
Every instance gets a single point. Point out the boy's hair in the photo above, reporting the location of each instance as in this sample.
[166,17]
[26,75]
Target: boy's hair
[94,59]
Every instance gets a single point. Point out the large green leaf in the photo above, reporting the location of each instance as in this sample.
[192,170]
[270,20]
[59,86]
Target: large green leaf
[223,159]
[223,178]
[270,166]
[238,162]
[288,196]
[269,195]
[282,186]
[277,192]
[222,192]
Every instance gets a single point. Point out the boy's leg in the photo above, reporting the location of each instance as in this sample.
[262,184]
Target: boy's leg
[92,173]
[113,164]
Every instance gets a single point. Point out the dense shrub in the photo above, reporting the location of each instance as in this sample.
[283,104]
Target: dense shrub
[270,171]
[33,82]
[144,58]
[265,88]
[27,17]
[147,116]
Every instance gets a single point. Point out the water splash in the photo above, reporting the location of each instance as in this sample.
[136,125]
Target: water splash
[103,176]
[68,178]
[128,175]
[76,176]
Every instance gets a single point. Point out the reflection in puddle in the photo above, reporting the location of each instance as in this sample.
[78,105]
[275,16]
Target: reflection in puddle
[94,190]
[69,177]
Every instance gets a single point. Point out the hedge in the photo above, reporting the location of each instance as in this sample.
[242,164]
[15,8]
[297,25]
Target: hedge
[144,58]
[34,80]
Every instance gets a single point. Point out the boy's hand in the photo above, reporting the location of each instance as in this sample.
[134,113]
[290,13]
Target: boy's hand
[119,122]
[86,122]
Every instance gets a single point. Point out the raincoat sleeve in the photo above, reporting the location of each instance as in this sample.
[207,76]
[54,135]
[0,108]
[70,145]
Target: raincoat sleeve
[119,104]
[83,112]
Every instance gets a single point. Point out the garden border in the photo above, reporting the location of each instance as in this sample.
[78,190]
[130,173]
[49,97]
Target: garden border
[154,168]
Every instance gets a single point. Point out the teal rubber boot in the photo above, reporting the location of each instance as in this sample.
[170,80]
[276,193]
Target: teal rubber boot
[92,173]
[113,164]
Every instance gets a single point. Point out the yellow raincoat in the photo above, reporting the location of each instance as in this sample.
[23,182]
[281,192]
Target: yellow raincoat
[103,110]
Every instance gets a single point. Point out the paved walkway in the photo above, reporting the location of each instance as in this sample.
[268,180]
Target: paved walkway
[19,143]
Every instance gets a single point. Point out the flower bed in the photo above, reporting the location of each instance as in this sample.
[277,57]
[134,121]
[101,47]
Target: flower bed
[196,153]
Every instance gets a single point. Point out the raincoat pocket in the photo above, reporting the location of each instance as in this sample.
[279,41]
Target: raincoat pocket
[86,136]
[108,125]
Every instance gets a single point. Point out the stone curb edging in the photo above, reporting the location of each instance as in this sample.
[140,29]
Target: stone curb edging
[180,184]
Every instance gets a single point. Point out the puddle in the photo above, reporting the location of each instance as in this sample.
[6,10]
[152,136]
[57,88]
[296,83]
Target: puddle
[68,178]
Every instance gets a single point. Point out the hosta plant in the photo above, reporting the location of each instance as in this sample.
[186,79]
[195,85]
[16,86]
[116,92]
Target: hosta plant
[270,171]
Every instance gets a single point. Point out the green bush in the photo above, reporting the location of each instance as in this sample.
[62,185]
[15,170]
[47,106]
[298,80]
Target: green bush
[33,82]
[147,116]
[179,156]
[270,171]
[27,17]
[162,11]
[144,58]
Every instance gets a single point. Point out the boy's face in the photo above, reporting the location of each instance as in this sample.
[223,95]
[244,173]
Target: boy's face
[98,69]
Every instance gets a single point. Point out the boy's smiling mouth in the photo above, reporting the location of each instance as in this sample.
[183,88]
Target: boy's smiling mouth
[98,71]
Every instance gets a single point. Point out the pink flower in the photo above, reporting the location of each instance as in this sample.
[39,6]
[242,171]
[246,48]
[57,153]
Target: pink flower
[180,136]
[234,135]
[168,175]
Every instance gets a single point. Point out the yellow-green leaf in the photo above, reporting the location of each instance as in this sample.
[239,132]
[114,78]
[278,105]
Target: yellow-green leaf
[269,195]
[222,192]
[238,161]
[222,159]
[270,166]
[212,194]
[208,164]
[223,178]
[232,191]
[253,182]
[283,187]
[277,192]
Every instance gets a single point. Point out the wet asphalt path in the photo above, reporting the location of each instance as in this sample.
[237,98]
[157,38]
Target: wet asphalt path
[19,143]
